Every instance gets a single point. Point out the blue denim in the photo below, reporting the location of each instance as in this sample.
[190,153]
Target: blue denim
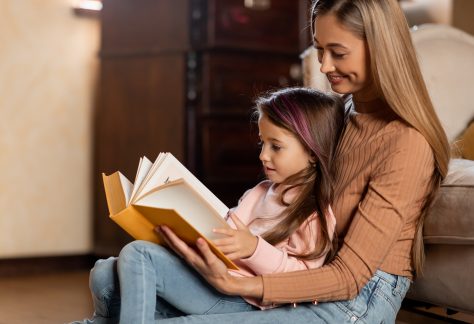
[378,302]
[157,285]
[147,282]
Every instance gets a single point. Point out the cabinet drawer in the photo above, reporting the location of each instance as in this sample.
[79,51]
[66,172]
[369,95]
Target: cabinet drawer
[230,150]
[232,82]
[270,25]
[133,27]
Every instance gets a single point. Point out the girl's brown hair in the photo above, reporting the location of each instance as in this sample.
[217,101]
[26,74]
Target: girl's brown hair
[398,80]
[316,120]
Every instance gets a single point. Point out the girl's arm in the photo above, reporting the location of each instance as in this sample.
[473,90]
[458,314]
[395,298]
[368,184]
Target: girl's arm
[275,259]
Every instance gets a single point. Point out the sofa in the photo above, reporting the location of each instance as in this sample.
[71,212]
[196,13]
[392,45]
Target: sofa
[446,57]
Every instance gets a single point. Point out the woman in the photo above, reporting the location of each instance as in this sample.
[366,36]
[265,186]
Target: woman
[391,159]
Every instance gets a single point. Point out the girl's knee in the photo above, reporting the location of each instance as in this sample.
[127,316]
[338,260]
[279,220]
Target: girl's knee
[138,252]
[138,248]
[103,275]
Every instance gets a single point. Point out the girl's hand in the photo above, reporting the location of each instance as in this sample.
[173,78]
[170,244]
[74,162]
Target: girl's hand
[240,243]
[211,268]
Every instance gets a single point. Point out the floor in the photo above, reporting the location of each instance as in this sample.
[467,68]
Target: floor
[45,299]
[62,298]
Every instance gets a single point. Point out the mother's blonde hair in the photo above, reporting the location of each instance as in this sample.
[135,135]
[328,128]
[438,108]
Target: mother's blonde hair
[397,77]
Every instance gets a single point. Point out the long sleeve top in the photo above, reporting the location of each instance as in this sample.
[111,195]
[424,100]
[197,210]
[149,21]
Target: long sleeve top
[384,168]
[259,209]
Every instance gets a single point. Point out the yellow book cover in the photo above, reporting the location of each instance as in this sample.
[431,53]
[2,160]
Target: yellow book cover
[165,193]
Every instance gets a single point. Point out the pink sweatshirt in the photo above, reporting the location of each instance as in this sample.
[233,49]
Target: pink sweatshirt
[256,209]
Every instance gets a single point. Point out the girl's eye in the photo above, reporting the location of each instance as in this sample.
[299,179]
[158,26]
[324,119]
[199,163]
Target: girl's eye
[275,148]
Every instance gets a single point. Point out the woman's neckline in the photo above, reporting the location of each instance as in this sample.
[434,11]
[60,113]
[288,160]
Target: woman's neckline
[368,108]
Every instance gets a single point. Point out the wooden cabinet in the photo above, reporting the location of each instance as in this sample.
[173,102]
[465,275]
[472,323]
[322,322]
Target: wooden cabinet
[181,76]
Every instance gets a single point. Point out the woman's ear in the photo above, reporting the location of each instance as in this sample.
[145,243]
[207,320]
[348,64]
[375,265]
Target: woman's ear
[312,158]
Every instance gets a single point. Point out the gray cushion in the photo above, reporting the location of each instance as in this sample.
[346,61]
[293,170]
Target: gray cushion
[451,219]
[447,278]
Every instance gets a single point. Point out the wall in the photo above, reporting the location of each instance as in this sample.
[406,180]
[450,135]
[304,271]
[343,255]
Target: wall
[47,72]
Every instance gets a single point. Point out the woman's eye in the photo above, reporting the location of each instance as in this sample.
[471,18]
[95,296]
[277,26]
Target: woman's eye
[320,54]
[338,55]
[260,143]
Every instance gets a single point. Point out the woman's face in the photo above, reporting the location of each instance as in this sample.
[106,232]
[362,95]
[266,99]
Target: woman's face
[344,57]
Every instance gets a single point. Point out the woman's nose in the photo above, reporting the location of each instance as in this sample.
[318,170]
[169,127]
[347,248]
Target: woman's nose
[326,64]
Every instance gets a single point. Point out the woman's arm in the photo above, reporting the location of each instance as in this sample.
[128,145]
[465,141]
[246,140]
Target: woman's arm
[399,184]
[212,268]
[396,188]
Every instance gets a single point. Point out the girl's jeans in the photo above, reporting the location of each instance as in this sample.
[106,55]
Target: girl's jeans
[157,285]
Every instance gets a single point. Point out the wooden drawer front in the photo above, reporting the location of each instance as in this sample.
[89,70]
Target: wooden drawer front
[230,150]
[254,24]
[144,26]
[234,81]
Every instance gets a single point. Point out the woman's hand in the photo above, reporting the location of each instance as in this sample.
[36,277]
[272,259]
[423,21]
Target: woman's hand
[212,268]
[240,243]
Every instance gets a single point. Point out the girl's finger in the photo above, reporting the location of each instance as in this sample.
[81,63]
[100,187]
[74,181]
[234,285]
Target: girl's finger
[225,231]
[223,241]
[238,223]
[228,249]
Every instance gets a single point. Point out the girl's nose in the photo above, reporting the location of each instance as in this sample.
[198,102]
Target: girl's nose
[263,156]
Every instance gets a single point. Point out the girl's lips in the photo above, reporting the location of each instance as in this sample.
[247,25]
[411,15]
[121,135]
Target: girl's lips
[267,169]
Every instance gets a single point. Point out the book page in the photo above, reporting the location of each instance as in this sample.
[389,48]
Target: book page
[126,186]
[140,191]
[143,169]
[170,169]
[179,196]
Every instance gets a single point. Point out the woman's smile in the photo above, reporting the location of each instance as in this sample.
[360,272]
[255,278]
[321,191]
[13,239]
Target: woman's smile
[335,79]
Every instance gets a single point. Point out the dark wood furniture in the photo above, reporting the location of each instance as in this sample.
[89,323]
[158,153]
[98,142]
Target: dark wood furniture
[180,76]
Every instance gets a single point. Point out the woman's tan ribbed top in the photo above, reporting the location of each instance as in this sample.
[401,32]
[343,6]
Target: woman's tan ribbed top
[383,172]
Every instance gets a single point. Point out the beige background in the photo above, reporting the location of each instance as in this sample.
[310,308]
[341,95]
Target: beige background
[47,71]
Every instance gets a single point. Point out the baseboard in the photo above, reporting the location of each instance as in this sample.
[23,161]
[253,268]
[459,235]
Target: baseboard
[45,265]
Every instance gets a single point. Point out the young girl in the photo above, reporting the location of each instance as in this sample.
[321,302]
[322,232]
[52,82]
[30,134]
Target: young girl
[285,223]
[390,160]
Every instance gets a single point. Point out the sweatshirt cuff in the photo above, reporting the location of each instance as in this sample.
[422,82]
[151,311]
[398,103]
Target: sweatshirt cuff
[265,259]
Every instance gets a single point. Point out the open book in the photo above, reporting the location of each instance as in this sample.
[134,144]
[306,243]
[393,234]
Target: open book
[165,193]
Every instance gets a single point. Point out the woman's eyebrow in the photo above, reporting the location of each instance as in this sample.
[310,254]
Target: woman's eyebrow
[331,44]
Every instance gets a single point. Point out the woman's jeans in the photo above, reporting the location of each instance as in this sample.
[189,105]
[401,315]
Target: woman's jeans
[149,283]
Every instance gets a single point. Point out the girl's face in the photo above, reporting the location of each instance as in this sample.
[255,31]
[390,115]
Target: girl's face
[282,154]
[344,58]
